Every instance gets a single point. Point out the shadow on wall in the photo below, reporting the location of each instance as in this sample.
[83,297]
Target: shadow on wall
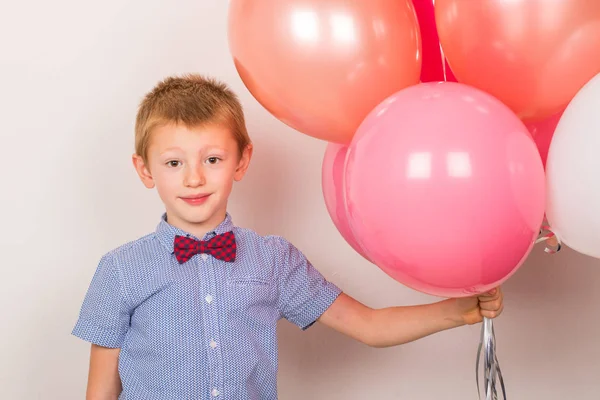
[568,278]
[285,166]
[259,200]
[554,298]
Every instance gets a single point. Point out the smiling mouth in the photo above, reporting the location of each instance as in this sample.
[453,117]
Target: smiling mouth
[195,200]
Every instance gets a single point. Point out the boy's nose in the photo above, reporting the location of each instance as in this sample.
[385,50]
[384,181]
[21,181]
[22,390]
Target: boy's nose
[194,177]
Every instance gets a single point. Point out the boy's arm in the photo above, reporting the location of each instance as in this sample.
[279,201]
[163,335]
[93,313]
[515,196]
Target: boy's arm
[104,382]
[397,325]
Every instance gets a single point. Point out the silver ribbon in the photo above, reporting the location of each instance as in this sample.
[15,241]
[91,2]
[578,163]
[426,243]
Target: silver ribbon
[545,235]
[491,366]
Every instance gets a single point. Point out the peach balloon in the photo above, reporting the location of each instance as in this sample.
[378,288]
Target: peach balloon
[533,55]
[321,66]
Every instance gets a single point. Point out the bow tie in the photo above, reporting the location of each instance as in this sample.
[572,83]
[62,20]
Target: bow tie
[221,247]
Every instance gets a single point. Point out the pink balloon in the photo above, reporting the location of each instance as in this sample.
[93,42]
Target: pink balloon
[542,132]
[444,189]
[434,65]
[332,175]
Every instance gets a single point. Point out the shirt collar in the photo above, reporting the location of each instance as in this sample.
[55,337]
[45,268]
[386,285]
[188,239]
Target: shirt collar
[166,232]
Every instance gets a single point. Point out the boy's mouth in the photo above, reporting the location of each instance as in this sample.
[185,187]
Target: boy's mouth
[195,199]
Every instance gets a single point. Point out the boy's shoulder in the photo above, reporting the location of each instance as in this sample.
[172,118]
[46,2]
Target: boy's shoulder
[141,247]
[268,249]
[246,236]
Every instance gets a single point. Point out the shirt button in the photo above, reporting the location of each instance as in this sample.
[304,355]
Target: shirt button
[213,344]
[204,256]
[215,392]
[209,299]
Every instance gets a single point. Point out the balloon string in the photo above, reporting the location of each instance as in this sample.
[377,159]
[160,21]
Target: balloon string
[443,63]
[491,366]
[545,235]
[443,56]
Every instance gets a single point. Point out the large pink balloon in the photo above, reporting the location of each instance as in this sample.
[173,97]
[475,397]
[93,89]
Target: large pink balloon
[444,189]
[332,175]
[320,66]
[435,67]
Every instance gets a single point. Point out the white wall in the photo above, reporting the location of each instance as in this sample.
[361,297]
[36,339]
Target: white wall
[72,73]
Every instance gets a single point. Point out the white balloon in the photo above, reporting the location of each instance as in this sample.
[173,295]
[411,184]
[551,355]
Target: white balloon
[573,173]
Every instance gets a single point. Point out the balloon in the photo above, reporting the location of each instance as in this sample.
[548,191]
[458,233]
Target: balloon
[444,189]
[434,64]
[320,66]
[332,185]
[572,173]
[533,55]
[542,132]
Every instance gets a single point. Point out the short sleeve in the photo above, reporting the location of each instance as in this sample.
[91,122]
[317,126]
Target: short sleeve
[304,294]
[104,317]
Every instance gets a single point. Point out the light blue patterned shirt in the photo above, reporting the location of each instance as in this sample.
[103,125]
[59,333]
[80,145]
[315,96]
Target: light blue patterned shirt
[204,329]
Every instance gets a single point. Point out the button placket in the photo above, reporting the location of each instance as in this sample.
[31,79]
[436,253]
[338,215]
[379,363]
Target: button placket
[206,267]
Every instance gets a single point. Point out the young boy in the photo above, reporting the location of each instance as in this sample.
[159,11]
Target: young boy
[190,310]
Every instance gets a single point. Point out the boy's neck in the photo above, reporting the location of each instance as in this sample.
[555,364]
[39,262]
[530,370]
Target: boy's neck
[198,229]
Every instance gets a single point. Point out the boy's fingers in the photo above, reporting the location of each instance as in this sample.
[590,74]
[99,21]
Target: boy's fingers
[491,295]
[492,313]
[492,305]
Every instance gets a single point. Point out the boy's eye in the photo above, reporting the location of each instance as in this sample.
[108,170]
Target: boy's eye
[173,163]
[212,160]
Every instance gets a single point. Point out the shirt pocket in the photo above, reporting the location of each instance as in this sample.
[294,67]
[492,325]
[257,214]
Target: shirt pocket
[242,281]
[251,299]
[247,291]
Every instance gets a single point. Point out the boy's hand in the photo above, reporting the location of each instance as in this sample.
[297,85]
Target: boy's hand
[472,309]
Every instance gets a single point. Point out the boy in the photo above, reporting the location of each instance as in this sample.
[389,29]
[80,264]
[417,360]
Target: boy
[190,310]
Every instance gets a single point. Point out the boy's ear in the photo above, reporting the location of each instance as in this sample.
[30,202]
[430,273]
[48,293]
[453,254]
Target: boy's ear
[244,163]
[143,171]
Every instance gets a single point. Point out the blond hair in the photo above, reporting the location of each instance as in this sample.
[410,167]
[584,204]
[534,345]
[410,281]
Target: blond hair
[191,100]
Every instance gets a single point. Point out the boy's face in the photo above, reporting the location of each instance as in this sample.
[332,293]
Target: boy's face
[193,170]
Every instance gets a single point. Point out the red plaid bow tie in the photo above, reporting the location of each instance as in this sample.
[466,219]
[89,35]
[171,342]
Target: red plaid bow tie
[222,247]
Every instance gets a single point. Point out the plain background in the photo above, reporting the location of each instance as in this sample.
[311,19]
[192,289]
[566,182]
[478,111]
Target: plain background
[72,74]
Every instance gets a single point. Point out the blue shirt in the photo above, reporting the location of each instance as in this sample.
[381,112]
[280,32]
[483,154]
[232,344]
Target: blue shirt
[204,329]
